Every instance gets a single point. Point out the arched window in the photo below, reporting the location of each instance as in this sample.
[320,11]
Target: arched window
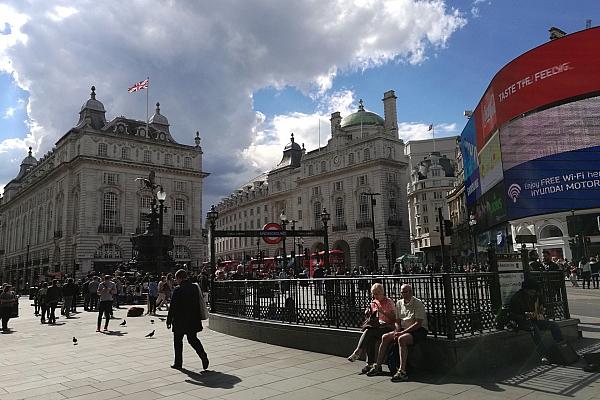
[109,210]
[550,231]
[40,225]
[351,158]
[340,219]
[179,216]
[317,213]
[187,162]
[363,208]
[323,166]
[24,235]
[59,213]
[56,255]
[102,149]
[145,204]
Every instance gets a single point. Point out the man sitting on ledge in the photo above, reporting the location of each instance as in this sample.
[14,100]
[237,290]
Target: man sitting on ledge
[527,310]
[411,328]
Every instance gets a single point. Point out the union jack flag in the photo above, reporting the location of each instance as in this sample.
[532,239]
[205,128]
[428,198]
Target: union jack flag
[139,86]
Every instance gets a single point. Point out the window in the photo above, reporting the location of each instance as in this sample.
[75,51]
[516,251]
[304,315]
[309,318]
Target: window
[180,186]
[48,234]
[435,172]
[393,205]
[323,166]
[299,200]
[147,156]
[187,162]
[367,154]
[425,219]
[168,159]
[145,208]
[310,170]
[75,213]
[102,149]
[125,153]
[316,191]
[317,213]
[278,186]
[179,215]
[110,179]
[351,158]
[437,195]
[181,252]
[362,180]
[423,196]
[266,208]
[251,211]
[363,208]
[108,251]
[40,224]
[339,185]
[424,208]
[340,219]
[109,210]
[299,215]
[257,210]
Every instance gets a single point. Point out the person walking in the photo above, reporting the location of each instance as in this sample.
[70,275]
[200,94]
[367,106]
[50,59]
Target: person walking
[586,271]
[184,317]
[53,297]
[106,291]
[85,291]
[42,298]
[68,291]
[152,296]
[7,304]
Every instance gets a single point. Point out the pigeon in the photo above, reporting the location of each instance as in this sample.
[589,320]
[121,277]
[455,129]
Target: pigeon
[123,323]
[151,321]
[150,334]
[74,341]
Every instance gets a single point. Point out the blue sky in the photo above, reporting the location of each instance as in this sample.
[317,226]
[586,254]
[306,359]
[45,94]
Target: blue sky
[246,80]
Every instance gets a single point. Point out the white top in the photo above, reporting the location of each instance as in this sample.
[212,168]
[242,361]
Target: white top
[408,313]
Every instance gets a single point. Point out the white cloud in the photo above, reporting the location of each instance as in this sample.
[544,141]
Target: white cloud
[418,131]
[9,112]
[205,60]
[475,8]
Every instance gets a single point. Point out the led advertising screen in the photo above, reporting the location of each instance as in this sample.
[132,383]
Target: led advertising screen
[552,159]
[537,119]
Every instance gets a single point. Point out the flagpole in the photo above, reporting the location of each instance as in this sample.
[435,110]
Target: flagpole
[319,134]
[147,96]
[433,133]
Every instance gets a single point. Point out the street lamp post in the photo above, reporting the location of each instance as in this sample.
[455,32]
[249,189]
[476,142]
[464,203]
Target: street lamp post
[325,219]
[161,195]
[212,216]
[472,224]
[284,222]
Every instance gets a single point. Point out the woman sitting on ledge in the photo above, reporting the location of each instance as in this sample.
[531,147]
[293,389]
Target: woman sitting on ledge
[383,315]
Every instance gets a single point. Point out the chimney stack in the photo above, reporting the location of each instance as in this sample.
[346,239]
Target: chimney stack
[389,112]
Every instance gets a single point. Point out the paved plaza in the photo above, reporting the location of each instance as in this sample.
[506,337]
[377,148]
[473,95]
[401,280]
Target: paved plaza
[41,361]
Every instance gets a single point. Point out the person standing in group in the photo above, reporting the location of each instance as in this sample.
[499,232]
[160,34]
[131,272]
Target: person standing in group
[85,291]
[586,271]
[93,292]
[106,291]
[53,297]
[163,292]
[7,303]
[184,317]
[152,296]
[69,291]
[76,295]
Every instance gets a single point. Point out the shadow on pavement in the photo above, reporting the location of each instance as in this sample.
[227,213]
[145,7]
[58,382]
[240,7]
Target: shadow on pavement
[114,333]
[213,379]
[564,380]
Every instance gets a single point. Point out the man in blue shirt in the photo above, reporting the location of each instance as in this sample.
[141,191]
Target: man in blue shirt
[152,296]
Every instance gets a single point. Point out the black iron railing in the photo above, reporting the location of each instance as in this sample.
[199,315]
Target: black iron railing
[457,304]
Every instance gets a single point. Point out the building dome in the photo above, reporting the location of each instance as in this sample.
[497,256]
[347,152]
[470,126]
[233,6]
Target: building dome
[361,117]
[29,160]
[292,145]
[92,103]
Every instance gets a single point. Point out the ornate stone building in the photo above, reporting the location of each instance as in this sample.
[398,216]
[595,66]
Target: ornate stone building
[364,155]
[74,209]
[433,174]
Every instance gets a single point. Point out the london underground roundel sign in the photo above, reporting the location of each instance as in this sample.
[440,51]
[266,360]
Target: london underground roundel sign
[272,233]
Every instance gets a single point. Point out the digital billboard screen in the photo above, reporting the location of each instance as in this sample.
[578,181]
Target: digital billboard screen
[536,130]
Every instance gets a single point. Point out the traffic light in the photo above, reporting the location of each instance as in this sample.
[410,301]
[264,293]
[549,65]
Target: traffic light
[376,243]
[448,227]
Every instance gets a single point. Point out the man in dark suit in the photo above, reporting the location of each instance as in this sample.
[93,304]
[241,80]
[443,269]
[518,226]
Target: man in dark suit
[184,316]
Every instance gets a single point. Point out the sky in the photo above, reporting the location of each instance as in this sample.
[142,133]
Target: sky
[246,74]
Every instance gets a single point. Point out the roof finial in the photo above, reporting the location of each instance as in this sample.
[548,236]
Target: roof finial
[197,139]
[361,105]
[157,107]
[29,151]
[93,94]
[292,137]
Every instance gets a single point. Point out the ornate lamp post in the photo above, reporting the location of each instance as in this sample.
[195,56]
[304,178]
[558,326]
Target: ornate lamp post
[212,217]
[325,217]
[472,225]
[161,195]
[284,222]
